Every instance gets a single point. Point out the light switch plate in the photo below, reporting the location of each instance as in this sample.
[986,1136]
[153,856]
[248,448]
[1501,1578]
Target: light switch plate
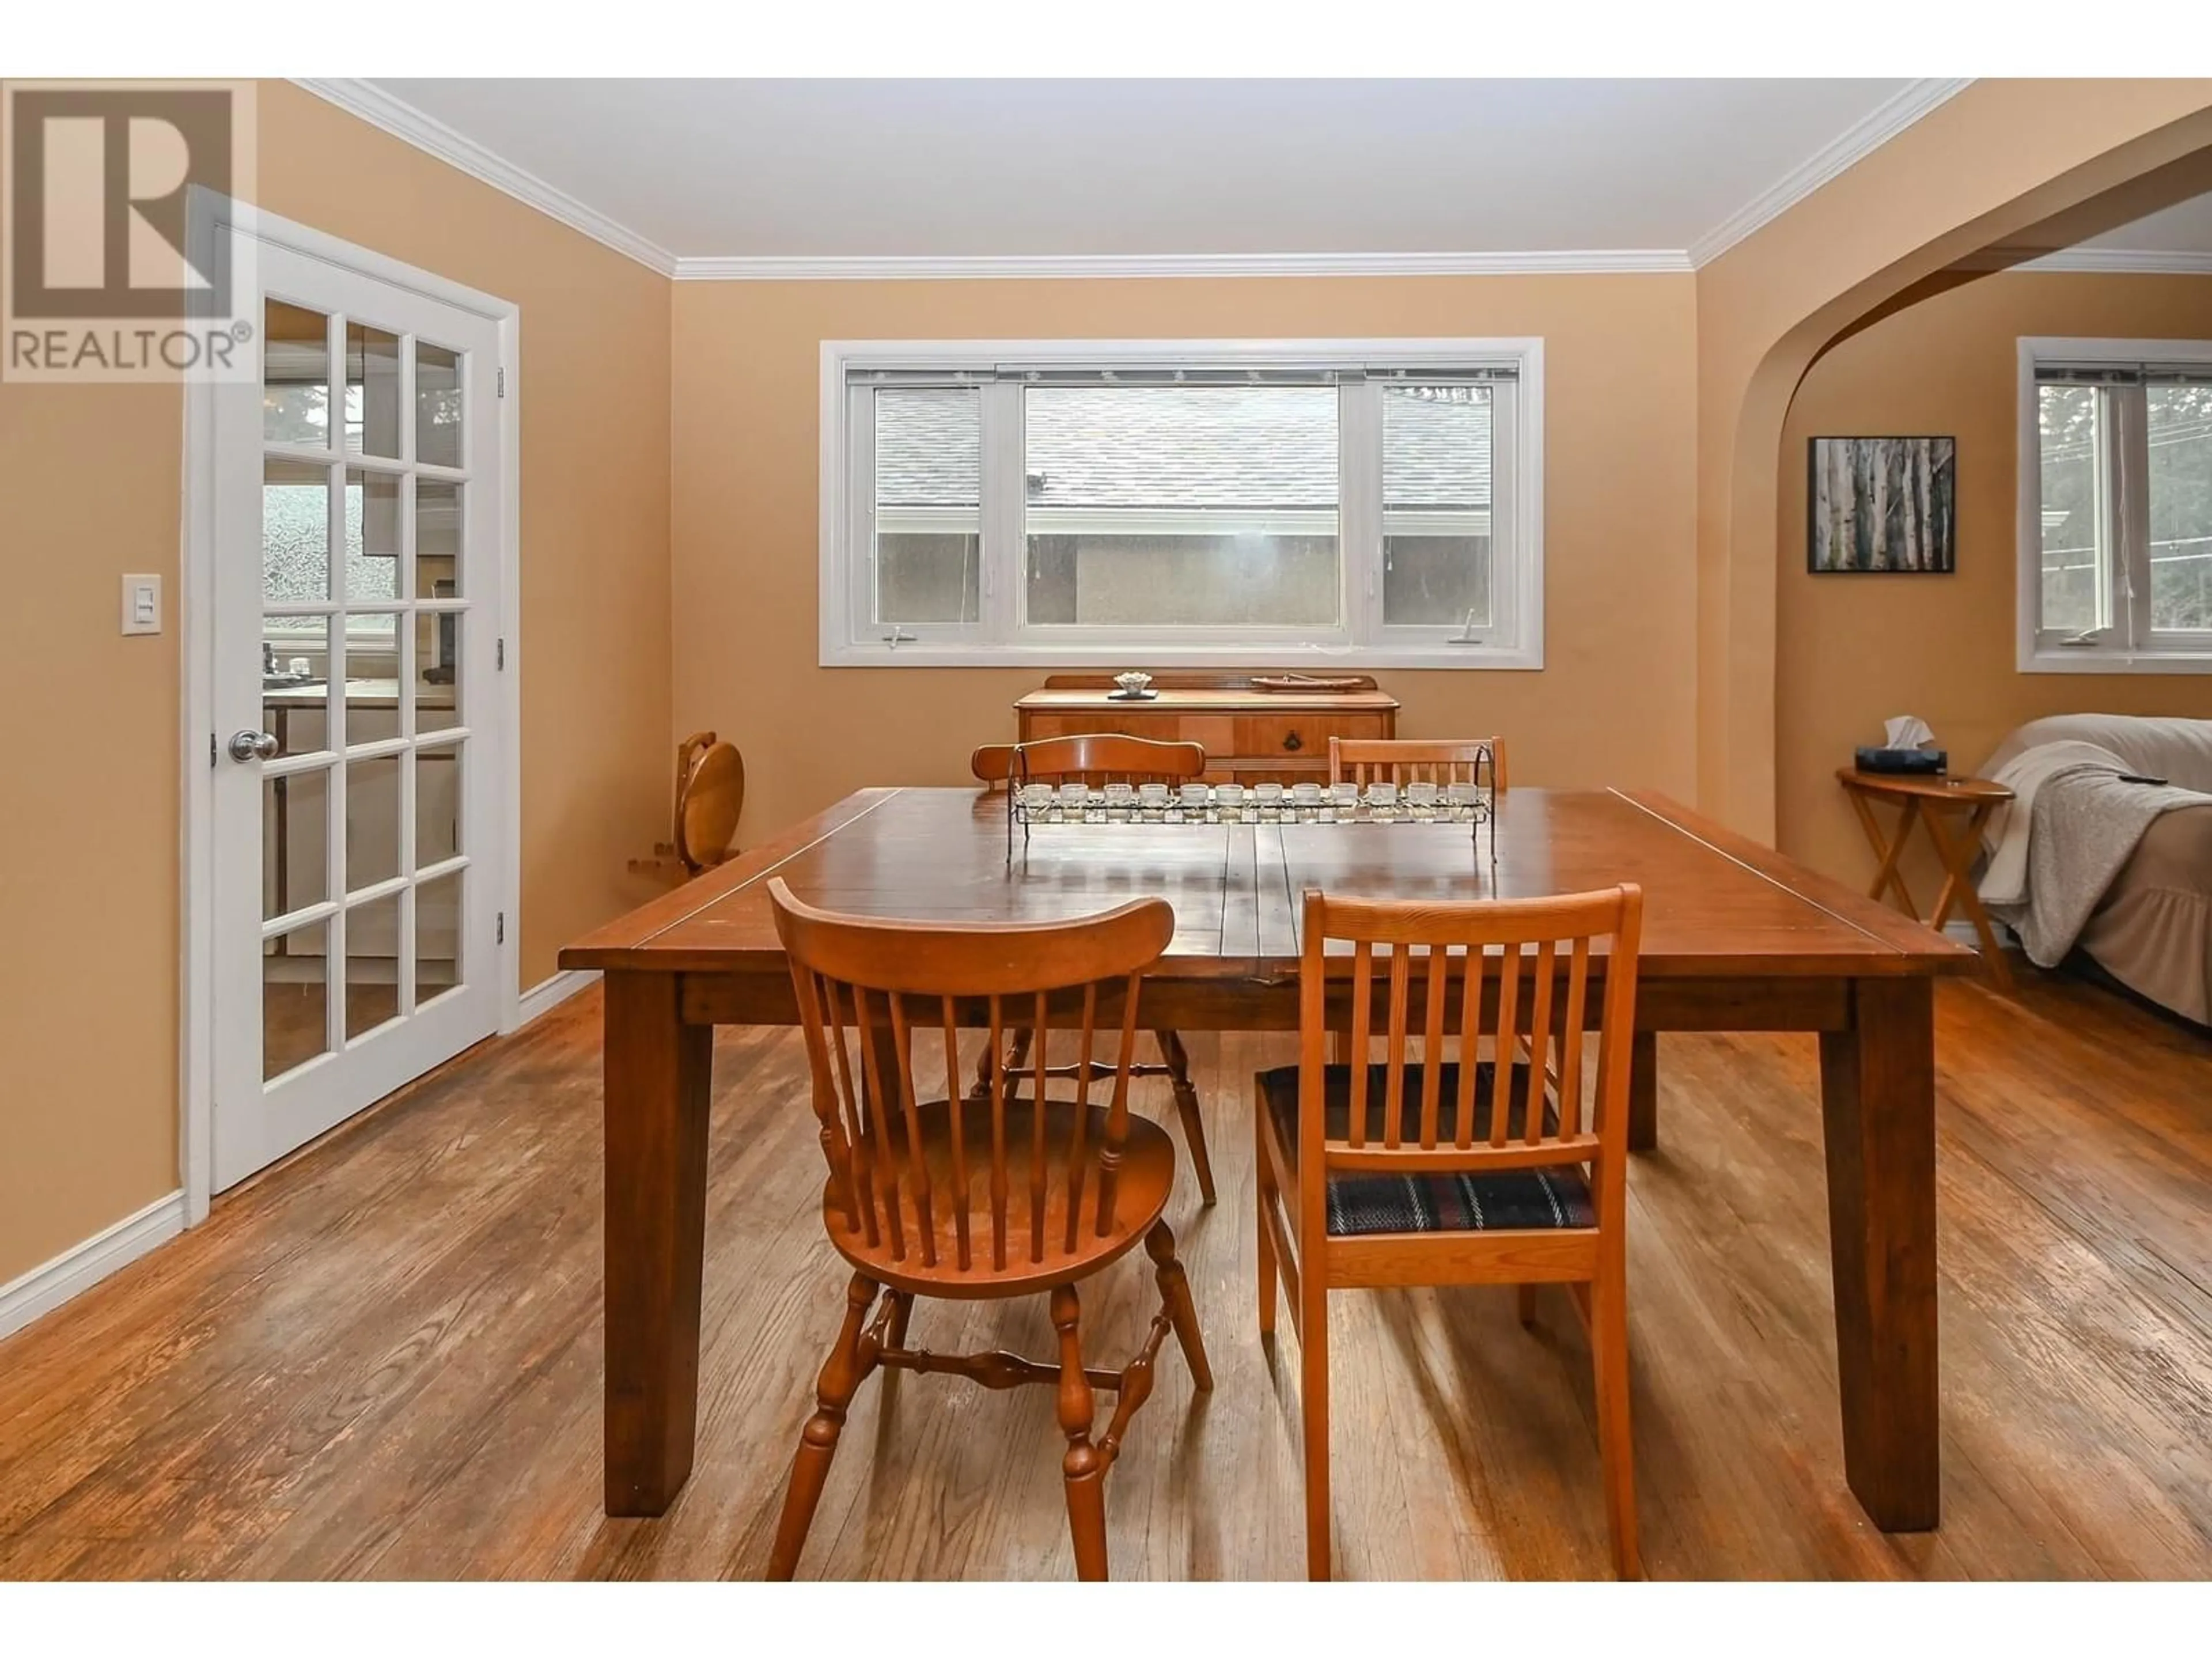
[141,605]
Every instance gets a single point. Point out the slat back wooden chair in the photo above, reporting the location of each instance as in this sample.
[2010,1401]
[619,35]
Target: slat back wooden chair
[1364,760]
[1091,756]
[1013,1195]
[1402,761]
[1100,757]
[1398,1172]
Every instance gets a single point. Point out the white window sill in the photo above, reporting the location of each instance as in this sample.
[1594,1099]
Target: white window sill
[1296,658]
[2094,660]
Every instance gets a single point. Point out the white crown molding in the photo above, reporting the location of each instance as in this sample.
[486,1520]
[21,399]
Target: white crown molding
[967,268]
[83,1265]
[1853,145]
[2112,261]
[405,122]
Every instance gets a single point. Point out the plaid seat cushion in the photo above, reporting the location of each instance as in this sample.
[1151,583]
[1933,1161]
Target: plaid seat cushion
[1432,1201]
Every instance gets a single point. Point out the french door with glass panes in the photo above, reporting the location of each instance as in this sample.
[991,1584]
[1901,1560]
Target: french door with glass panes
[356,753]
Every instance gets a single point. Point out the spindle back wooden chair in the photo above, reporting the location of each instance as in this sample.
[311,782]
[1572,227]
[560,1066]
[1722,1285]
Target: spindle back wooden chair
[1402,761]
[1101,757]
[1008,1196]
[1488,1168]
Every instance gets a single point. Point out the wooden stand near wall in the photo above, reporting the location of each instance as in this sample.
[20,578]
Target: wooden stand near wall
[1250,735]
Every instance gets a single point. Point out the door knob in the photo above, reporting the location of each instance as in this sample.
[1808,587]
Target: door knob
[253,745]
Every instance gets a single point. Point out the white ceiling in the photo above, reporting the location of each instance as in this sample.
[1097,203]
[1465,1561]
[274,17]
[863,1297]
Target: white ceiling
[738,169]
[943,177]
[2183,228]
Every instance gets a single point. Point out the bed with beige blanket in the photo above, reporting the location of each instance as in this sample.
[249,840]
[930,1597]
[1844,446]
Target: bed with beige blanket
[2122,870]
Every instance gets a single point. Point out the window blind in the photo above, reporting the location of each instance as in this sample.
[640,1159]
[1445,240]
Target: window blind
[1277,374]
[2120,373]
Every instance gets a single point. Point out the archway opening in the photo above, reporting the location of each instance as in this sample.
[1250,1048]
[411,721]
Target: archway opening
[1940,359]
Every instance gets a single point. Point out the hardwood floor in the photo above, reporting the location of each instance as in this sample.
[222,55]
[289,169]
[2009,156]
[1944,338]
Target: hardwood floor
[383,1357]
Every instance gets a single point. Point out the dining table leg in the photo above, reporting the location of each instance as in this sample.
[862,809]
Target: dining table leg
[1878,1108]
[658,1076]
[1644,1092]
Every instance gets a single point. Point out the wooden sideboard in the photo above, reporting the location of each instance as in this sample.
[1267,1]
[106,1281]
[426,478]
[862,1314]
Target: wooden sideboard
[1249,736]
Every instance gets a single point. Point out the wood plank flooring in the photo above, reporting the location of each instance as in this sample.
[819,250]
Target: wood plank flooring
[382,1358]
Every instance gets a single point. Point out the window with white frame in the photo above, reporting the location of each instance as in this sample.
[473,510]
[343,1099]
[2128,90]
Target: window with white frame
[1115,502]
[2116,505]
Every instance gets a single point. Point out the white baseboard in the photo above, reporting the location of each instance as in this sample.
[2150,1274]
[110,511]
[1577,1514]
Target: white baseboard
[550,993]
[80,1267]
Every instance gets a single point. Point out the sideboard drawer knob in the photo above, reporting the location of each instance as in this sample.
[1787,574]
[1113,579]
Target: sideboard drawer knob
[1293,742]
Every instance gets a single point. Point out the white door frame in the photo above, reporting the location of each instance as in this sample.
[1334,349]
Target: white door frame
[212,214]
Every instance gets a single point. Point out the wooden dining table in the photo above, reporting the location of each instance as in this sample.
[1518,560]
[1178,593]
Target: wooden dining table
[1736,937]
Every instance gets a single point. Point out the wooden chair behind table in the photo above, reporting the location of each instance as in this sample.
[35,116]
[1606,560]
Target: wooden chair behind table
[1010,1196]
[710,796]
[1405,1172]
[1105,758]
[1391,760]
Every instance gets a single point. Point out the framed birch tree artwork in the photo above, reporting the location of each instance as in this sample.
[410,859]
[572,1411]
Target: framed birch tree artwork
[1882,504]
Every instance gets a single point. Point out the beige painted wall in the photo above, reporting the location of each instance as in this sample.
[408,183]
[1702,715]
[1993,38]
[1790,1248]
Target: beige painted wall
[1852,650]
[89,924]
[1613,704]
[90,485]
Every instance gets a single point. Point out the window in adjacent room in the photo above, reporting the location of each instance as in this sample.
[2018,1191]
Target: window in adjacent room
[2116,505]
[1103,500]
